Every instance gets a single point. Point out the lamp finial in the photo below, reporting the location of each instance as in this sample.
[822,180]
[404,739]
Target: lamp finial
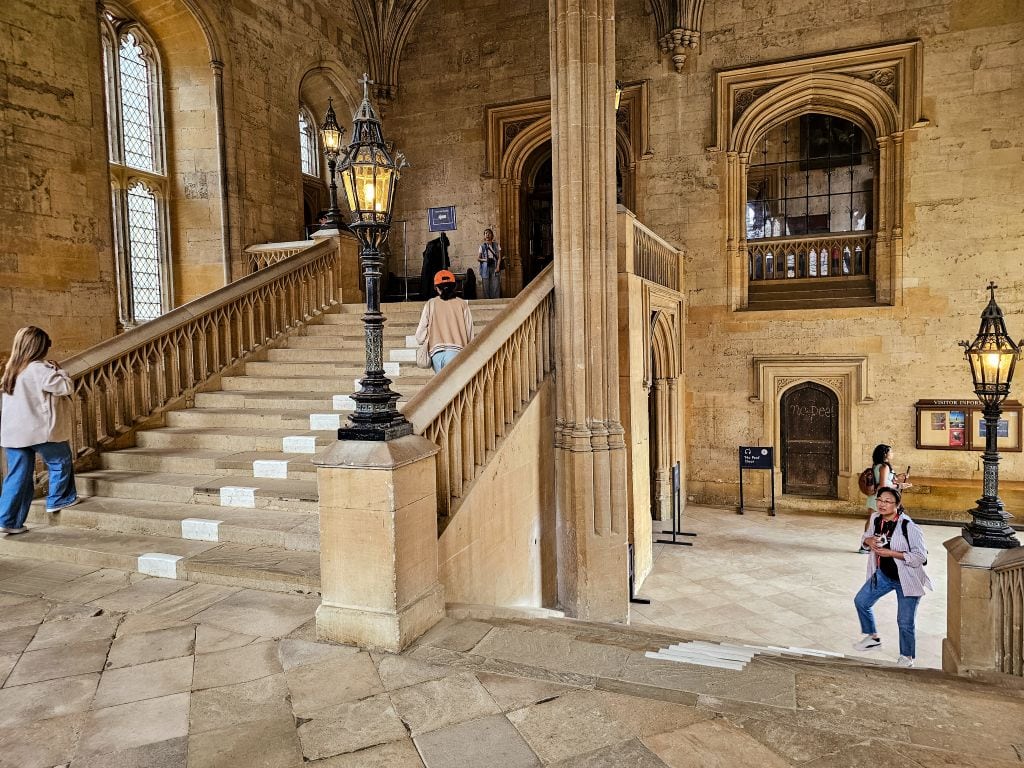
[367,82]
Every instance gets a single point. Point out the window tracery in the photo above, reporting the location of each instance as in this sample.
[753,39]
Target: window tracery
[310,157]
[136,131]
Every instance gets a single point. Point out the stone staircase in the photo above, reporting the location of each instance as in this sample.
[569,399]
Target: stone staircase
[226,492]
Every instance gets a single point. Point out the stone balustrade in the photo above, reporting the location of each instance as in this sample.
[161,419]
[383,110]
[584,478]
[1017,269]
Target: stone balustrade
[267,254]
[787,258]
[646,254]
[1008,586]
[121,384]
[470,405]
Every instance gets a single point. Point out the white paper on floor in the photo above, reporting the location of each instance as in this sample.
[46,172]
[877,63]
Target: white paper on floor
[726,656]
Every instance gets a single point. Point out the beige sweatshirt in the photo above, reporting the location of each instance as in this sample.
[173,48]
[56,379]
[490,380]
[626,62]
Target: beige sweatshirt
[445,324]
[39,410]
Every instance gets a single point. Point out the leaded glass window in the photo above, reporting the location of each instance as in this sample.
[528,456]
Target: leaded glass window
[134,101]
[307,143]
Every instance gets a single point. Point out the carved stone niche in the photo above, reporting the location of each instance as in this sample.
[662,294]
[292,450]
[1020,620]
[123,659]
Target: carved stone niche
[678,24]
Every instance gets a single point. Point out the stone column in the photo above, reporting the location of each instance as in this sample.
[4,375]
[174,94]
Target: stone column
[591,452]
[378,543]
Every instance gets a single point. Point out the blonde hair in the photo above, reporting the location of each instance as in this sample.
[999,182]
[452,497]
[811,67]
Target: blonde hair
[30,344]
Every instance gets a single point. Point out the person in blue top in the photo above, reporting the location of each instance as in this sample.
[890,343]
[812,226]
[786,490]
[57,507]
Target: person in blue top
[489,257]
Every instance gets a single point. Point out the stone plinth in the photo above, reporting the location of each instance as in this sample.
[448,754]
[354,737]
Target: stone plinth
[378,543]
[974,618]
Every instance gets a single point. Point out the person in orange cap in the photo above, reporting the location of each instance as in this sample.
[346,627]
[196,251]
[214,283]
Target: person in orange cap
[446,324]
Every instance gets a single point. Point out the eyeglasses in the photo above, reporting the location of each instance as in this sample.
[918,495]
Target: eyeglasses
[885,501]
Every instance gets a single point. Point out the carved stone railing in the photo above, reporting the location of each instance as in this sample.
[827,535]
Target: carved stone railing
[1008,586]
[267,254]
[468,407]
[122,383]
[825,256]
[646,254]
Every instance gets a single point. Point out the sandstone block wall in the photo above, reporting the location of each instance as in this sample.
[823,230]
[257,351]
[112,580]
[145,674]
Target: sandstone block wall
[964,220]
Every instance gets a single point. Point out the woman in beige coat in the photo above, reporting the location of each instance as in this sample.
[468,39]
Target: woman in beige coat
[446,324]
[34,419]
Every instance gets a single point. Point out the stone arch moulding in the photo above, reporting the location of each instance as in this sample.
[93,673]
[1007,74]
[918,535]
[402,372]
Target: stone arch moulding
[846,376]
[514,131]
[880,89]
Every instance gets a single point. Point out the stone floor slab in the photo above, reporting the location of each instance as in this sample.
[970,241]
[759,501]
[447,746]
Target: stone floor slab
[568,726]
[16,639]
[299,653]
[516,692]
[91,586]
[116,729]
[350,727]
[139,596]
[712,744]
[62,661]
[266,614]
[45,700]
[41,743]
[238,665]
[145,647]
[264,699]
[211,639]
[456,635]
[401,671]
[397,754]
[144,681]
[335,681]
[440,703]
[259,744]
[485,742]
[172,753]
[55,633]
[626,754]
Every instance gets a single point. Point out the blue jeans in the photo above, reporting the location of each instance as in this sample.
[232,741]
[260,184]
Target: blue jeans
[17,491]
[441,358]
[906,609]
[492,285]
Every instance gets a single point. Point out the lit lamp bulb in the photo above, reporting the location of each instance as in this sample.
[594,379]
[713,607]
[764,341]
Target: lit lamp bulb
[368,193]
[992,360]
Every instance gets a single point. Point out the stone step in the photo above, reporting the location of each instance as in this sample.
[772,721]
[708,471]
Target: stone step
[396,307]
[194,462]
[240,417]
[349,342]
[269,464]
[325,384]
[242,565]
[214,490]
[298,531]
[233,439]
[304,402]
[393,370]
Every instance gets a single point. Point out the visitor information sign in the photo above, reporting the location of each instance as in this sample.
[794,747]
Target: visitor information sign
[441,219]
[757,457]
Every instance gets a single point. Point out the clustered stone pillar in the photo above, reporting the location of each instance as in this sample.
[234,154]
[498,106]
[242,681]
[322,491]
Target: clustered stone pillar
[589,440]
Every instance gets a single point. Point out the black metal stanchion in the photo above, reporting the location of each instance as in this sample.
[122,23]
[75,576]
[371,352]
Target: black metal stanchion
[677,513]
[632,580]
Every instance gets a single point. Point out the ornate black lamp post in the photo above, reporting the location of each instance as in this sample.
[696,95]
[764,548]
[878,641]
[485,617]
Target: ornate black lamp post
[331,133]
[992,356]
[369,174]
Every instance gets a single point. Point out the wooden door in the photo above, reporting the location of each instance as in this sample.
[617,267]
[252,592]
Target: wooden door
[810,441]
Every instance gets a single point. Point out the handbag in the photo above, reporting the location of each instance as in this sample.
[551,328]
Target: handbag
[422,351]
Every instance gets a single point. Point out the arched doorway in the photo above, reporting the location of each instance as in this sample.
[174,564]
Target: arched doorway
[537,222]
[810,441]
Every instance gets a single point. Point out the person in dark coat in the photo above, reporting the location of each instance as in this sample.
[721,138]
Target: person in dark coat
[469,287]
[435,258]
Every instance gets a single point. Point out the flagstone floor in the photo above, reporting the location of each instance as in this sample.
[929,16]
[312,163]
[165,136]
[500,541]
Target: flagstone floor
[109,669]
[787,580]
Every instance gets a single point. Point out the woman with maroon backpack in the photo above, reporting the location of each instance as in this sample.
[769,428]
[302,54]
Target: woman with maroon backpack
[884,477]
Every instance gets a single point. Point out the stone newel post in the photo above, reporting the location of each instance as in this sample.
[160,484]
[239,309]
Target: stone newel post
[590,446]
[378,543]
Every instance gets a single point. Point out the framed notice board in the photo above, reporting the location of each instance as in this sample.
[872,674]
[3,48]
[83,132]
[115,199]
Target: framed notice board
[959,425]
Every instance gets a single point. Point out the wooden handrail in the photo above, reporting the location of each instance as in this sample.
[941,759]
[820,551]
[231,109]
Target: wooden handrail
[125,381]
[468,407]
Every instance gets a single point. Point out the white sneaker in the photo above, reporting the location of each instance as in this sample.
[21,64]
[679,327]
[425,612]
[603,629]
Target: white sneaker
[904,661]
[54,510]
[867,642]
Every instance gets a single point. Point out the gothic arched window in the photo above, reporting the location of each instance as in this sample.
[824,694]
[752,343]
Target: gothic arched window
[307,143]
[138,171]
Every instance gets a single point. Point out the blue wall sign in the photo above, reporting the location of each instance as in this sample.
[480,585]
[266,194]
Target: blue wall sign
[441,219]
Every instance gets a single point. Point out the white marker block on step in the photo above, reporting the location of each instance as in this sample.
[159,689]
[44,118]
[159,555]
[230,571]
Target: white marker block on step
[320,421]
[392,369]
[159,564]
[357,385]
[198,529]
[270,468]
[237,496]
[344,403]
[403,355]
[411,343]
[299,444]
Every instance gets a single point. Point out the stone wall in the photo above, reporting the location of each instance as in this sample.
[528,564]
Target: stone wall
[461,56]
[963,219]
[56,262]
[56,265]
